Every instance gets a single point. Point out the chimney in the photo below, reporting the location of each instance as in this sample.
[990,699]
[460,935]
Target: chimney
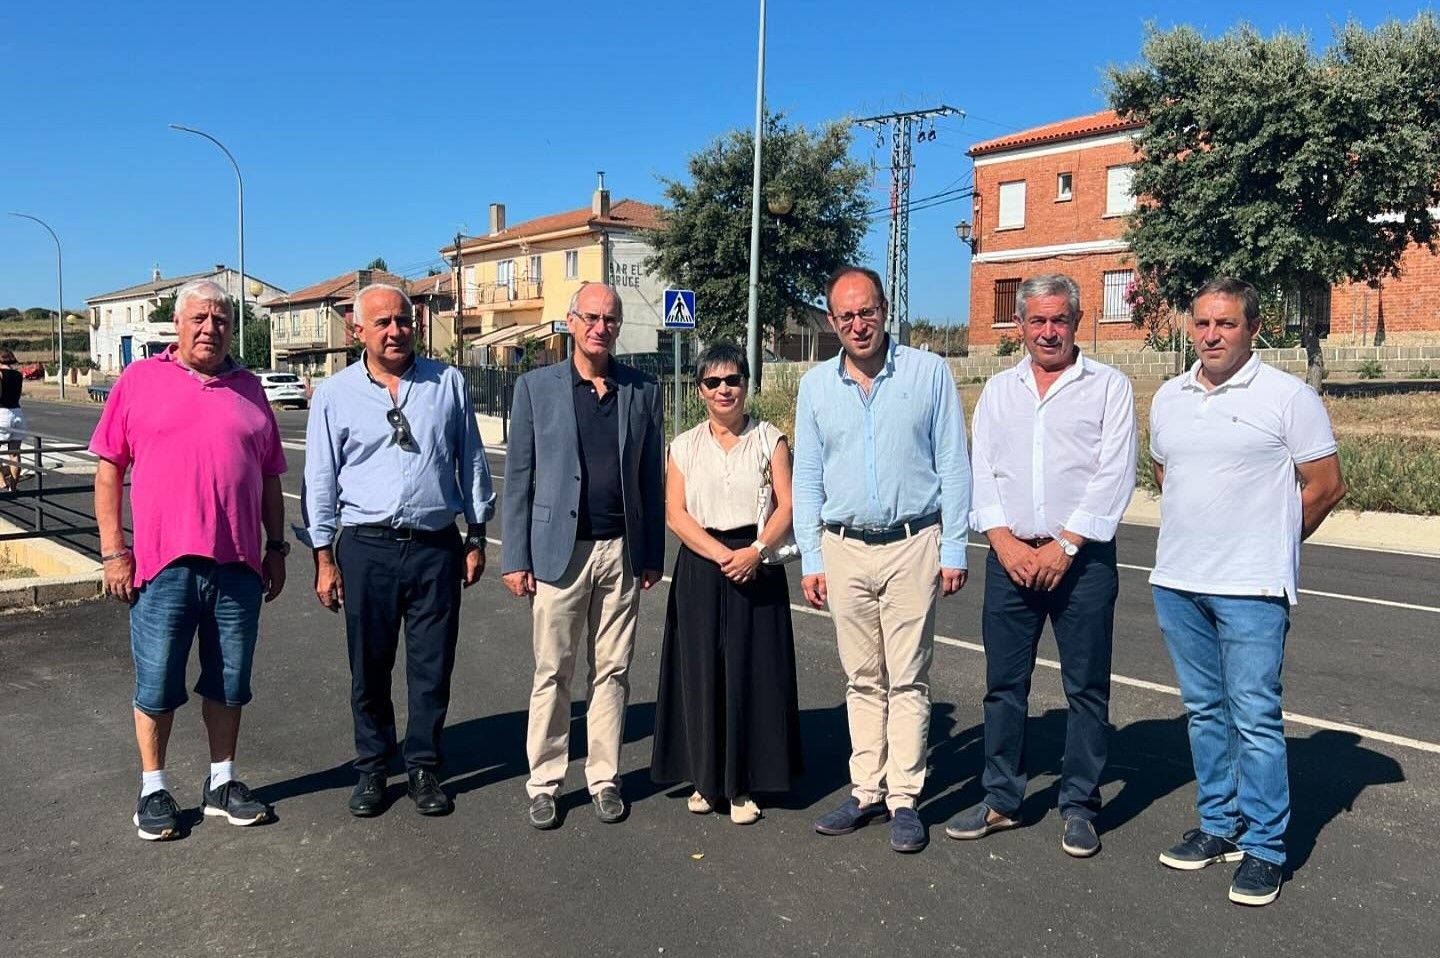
[600,202]
[497,218]
[155,274]
[219,267]
[363,278]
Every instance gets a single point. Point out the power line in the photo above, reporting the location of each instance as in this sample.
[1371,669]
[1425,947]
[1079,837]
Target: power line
[901,127]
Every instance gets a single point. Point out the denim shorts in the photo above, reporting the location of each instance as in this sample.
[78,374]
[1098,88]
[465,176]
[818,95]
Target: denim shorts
[222,603]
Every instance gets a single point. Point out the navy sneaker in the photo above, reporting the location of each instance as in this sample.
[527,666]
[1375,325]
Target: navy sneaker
[848,817]
[1198,849]
[1256,882]
[234,803]
[157,817]
[977,821]
[1079,839]
[907,832]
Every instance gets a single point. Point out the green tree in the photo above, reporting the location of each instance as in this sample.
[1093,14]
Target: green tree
[165,312]
[256,337]
[816,189]
[1292,169]
[378,263]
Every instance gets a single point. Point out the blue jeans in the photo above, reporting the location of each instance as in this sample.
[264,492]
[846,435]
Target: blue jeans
[222,603]
[1227,652]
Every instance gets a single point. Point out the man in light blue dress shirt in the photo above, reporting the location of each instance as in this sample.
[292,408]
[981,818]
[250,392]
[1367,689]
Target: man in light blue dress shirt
[881,493]
[393,455]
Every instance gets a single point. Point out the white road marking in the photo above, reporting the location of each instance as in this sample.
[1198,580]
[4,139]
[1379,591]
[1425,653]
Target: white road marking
[1295,718]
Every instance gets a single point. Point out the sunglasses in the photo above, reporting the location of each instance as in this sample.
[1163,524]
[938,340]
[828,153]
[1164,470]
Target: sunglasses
[734,381]
[400,426]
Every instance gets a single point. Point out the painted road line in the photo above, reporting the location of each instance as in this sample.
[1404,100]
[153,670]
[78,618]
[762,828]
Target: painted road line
[1295,718]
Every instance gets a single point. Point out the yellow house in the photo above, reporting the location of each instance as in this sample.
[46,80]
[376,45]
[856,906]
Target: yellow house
[516,281]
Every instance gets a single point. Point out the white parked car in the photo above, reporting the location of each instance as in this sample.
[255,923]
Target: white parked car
[283,389]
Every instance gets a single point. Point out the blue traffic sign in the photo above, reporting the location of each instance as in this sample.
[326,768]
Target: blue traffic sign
[679,309]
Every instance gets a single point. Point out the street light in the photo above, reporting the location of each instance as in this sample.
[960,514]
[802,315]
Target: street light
[60,295]
[966,235]
[752,325]
[240,187]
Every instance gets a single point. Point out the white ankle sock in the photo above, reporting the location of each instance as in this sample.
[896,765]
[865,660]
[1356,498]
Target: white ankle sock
[151,782]
[221,772]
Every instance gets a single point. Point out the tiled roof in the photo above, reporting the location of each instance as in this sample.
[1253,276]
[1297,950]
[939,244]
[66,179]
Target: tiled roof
[631,214]
[439,284]
[154,286]
[337,287]
[1093,124]
[164,285]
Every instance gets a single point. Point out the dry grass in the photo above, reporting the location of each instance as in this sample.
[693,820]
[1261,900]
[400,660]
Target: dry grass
[9,570]
[1389,445]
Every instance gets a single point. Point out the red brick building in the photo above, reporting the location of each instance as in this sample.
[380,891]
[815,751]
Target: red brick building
[1054,199]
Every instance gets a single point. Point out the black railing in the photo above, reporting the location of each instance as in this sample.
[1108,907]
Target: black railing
[44,506]
[492,388]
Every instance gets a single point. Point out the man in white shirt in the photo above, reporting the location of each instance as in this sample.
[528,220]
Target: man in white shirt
[1247,463]
[1054,465]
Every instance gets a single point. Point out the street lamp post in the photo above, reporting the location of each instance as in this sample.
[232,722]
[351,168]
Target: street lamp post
[240,193]
[60,295]
[752,326]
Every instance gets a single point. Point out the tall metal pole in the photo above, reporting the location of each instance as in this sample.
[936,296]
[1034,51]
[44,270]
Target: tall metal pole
[60,297]
[752,325]
[897,254]
[240,194]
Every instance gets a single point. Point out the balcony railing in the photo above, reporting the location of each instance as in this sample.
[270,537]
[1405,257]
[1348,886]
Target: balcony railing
[501,294]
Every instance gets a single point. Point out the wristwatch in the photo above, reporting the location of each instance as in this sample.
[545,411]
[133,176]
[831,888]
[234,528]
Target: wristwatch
[763,549]
[1068,547]
[277,545]
[475,538]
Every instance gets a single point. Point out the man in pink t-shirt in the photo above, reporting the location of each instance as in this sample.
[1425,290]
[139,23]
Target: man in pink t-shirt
[201,445]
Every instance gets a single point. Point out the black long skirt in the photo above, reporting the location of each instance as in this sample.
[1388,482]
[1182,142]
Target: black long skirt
[727,715]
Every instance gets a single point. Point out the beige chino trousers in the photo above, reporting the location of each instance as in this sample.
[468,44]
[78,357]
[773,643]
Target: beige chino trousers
[882,599]
[594,605]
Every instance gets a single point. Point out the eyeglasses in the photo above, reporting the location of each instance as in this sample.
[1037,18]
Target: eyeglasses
[734,381]
[869,315]
[400,426]
[590,319]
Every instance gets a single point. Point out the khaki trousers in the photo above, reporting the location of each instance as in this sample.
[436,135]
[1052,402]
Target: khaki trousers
[882,599]
[594,604]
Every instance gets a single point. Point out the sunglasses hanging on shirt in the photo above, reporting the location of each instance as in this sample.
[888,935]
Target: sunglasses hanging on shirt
[400,428]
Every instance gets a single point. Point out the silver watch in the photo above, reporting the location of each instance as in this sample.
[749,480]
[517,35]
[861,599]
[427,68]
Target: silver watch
[1068,547]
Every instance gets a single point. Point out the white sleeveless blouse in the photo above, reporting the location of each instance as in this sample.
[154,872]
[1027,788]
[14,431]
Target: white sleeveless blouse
[722,490]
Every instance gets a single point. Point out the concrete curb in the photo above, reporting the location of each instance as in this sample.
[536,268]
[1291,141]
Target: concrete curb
[18,595]
[1374,531]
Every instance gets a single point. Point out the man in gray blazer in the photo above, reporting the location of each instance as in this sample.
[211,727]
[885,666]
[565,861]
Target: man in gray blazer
[584,533]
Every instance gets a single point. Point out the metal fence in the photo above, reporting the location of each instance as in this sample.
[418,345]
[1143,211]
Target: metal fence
[51,503]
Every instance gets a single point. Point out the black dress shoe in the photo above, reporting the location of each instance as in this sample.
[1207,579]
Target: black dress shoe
[429,797]
[368,799]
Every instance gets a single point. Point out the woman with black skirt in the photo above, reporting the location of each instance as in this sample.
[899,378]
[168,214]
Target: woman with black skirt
[727,715]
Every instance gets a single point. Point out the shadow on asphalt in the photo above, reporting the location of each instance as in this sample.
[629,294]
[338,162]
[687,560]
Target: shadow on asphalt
[1150,759]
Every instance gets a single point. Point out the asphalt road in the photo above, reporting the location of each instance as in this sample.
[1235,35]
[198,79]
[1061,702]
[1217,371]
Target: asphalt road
[74,879]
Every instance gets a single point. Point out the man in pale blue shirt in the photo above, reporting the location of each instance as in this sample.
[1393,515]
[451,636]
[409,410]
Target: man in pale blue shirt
[392,455]
[881,493]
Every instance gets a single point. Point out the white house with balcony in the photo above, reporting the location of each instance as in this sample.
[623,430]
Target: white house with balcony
[120,327]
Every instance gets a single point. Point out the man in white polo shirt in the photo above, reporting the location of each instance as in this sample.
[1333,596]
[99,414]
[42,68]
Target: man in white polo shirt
[1053,455]
[1247,465]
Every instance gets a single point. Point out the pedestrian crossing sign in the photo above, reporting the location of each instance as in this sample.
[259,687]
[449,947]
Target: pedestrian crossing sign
[679,309]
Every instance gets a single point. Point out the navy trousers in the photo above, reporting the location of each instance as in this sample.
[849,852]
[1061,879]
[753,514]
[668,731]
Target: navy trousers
[1082,612]
[414,583]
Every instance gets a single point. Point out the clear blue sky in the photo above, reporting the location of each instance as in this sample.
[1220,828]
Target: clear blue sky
[370,129]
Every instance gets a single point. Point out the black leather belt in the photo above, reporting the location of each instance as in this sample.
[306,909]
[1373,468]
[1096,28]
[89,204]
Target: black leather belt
[402,534]
[1038,541]
[880,537]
